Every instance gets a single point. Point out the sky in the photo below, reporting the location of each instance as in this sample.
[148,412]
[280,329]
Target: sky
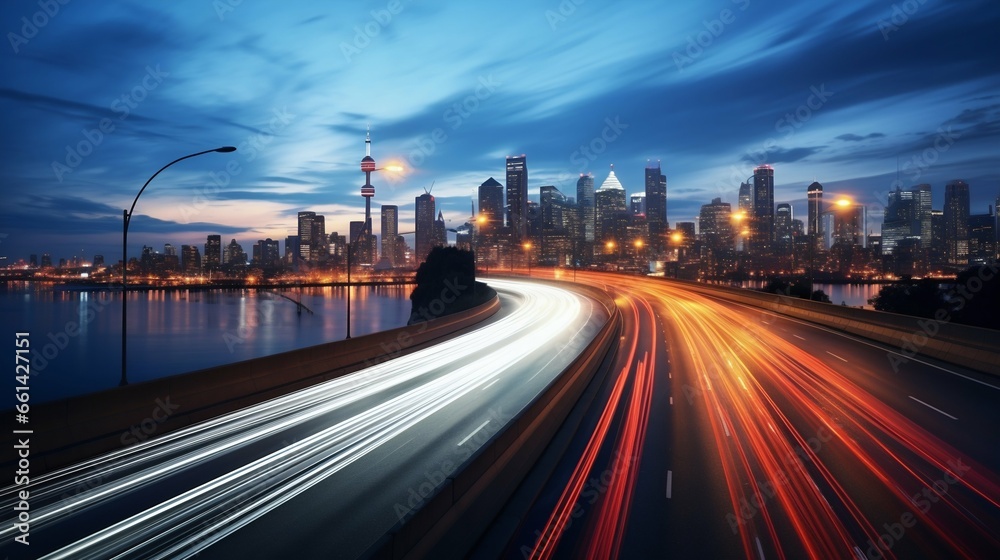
[97,96]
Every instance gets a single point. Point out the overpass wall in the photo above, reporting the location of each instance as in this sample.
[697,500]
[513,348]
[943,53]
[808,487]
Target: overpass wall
[972,347]
[78,428]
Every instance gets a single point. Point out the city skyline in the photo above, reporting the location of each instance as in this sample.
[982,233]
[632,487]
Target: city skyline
[828,114]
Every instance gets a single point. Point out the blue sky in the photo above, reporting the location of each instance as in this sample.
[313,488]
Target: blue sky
[96,96]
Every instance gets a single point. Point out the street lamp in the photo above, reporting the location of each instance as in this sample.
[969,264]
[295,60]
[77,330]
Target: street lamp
[527,248]
[127,219]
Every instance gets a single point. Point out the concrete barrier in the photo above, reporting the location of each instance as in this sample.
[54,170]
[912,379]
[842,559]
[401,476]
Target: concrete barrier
[971,347]
[450,521]
[78,428]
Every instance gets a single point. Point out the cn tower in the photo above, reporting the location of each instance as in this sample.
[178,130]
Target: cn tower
[367,191]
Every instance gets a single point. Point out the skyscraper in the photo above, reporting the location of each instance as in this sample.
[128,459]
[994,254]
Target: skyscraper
[901,221]
[746,198]
[585,207]
[609,204]
[213,252]
[982,238]
[637,204]
[956,223]
[922,198]
[783,240]
[190,259]
[424,226]
[815,196]
[390,230]
[490,206]
[762,225]
[517,197]
[656,205]
[306,235]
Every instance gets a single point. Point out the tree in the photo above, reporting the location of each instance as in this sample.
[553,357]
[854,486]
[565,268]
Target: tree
[921,299]
[976,297]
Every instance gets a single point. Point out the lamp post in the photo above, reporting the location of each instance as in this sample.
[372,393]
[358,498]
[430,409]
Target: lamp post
[127,218]
[527,249]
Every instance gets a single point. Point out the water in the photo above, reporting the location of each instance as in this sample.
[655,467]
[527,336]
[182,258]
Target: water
[76,335]
[854,295]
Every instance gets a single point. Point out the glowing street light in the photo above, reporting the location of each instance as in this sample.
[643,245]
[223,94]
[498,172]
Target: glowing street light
[127,215]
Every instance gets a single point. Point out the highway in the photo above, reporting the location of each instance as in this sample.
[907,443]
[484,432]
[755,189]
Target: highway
[321,472]
[725,431]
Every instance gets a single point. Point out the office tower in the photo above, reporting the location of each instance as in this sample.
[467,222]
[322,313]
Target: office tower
[235,255]
[424,226]
[715,221]
[98,260]
[390,231]
[850,223]
[956,223]
[585,207]
[33,261]
[901,220]
[266,253]
[815,201]
[609,202]
[555,227]
[517,197]
[213,252]
[491,208]
[169,249]
[938,245]
[656,205]
[47,260]
[637,205]
[982,238]
[440,232]
[190,259]
[922,200]
[319,252]
[746,199]
[783,240]
[292,251]
[305,235]
[762,224]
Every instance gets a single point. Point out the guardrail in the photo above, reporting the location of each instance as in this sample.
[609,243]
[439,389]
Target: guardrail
[450,520]
[972,347]
[78,428]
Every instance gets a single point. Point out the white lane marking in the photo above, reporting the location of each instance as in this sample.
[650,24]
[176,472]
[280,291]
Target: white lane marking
[798,337]
[835,356]
[879,347]
[760,549]
[671,401]
[861,555]
[474,432]
[933,407]
[495,379]
[670,481]
[723,419]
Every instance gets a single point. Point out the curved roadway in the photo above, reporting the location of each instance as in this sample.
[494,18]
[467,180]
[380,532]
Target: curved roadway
[322,472]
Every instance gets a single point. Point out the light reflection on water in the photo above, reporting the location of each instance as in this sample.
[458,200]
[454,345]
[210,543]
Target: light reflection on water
[76,335]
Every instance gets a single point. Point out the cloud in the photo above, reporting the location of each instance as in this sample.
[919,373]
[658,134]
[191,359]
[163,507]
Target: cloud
[857,138]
